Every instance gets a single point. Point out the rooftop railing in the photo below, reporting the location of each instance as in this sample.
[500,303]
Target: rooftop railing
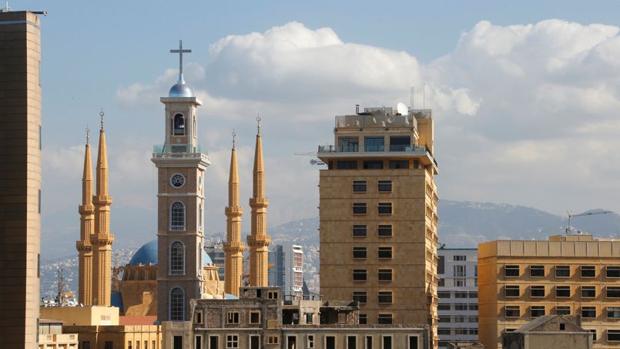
[181,151]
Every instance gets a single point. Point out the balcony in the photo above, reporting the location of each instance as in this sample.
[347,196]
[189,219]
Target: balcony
[179,151]
[329,152]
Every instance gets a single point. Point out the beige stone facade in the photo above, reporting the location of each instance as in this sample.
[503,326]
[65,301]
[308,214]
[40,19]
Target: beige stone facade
[52,337]
[565,275]
[20,183]
[378,217]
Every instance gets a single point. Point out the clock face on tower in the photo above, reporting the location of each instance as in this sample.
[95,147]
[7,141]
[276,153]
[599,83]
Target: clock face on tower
[177,180]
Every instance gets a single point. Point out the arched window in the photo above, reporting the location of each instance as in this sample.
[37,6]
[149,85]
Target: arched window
[177,216]
[178,125]
[177,304]
[177,258]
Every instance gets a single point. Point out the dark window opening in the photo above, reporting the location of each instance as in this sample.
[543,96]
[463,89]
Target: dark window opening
[373,165]
[178,124]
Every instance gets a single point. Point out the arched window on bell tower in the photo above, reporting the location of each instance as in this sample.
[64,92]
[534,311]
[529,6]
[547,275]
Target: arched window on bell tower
[178,124]
[177,304]
[177,258]
[177,216]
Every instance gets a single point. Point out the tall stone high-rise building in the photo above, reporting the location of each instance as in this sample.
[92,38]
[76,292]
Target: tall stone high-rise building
[233,247]
[181,169]
[102,239]
[20,182]
[378,216]
[83,245]
[259,240]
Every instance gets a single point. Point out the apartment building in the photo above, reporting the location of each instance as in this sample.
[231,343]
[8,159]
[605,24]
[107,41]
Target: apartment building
[564,275]
[378,216]
[458,295]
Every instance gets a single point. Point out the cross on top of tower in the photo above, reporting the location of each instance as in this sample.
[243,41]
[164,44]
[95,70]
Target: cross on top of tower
[180,51]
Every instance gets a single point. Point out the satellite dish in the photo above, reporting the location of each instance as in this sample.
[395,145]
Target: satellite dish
[402,109]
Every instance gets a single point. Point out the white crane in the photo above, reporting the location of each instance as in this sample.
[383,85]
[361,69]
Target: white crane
[569,228]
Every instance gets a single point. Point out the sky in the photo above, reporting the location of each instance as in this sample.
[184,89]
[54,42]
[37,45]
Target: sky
[524,97]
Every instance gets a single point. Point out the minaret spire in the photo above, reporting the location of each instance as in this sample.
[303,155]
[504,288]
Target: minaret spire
[259,239]
[102,238]
[233,248]
[83,245]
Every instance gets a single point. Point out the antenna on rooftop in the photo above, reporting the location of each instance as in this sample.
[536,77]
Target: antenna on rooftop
[6,7]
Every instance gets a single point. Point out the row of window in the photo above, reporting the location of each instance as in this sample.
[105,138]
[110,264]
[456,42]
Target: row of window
[374,164]
[444,331]
[374,143]
[383,252]
[458,294]
[384,275]
[561,271]
[293,341]
[383,208]
[383,297]
[383,186]
[233,317]
[361,230]
[457,306]
[137,344]
[538,291]
[457,319]
[514,311]
[458,282]
[382,319]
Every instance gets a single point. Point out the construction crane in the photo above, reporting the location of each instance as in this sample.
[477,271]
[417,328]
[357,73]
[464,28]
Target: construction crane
[569,228]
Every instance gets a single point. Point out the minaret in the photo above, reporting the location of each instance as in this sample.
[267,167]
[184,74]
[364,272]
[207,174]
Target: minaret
[258,241]
[84,247]
[233,248]
[102,238]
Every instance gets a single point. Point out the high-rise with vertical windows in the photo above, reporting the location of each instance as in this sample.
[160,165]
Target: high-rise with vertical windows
[20,183]
[458,295]
[378,216]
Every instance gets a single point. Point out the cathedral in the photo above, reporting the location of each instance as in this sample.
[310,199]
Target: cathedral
[166,273]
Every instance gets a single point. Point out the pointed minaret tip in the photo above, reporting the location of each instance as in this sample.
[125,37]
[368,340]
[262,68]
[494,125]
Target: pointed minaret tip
[258,120]
[101,114]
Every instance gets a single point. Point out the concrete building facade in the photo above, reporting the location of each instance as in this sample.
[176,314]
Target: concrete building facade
[294,272]
[378,216]
[20,183]
[565,275]
[458,295]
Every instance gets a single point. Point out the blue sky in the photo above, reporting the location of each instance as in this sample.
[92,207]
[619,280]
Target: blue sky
[524,106]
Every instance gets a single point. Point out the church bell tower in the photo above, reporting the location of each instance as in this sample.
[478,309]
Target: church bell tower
[180,203]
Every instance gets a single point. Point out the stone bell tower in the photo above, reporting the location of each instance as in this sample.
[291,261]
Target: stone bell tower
[180,203]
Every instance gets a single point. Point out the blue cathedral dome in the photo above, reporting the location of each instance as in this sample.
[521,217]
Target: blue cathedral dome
[147,254]
[180,89]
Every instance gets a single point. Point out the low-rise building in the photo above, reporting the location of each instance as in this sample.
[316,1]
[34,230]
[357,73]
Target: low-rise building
[549,331]
[260,318]
[52,337]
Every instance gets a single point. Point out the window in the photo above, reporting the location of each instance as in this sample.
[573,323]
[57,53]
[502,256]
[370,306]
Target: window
[374,144]
[441,282]
[613,312]
[384,319]
[360,296]
[472,294]
[444,306]
[536,311]
[254,342]
[613,335]
[613,292]
[359,208]
[444,318]
[386,342]
[385,297]
[444,331]
[359,231]
[511,270]
[562,271]
[363,319]
[613,271]
[309,318]
[384,230]
[398,164]
[562,291]
[359,274]
[384,208]
[199,317]
[460,306]
[232,341]
[177,258]
[177,216]
[562,310]
[537,271]
[588,312]
[443,294]
[537,291]
[588,271]
[459,258]
[413,342]
[351,342]
[593,333]
[272,340]
[368,342]
[441,265]
[232,317]
[348,144]
[373,164]
[384,252]
[330,342]
[310,341]
[272,295]
[359,186]
[588,291]
[460,295]
[255,317]
[213,342]
[85,345]
[385,274]
[359,252]
[511,291]
[459,270]
[459,282]
[129,345]
[473,306]
[346,165]
[197,342]
[291,342]
[110,345]
[384,186]
[400,143]
[512,311]
[177,304]
[178,125]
